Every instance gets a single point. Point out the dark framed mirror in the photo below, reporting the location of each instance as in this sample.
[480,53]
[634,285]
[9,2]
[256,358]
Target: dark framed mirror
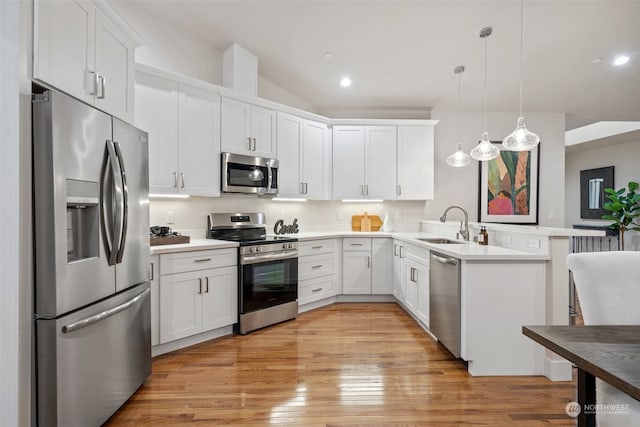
[592,196]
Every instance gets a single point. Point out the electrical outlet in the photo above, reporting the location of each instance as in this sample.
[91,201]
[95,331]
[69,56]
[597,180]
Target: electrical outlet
[340,216]
[170,217]
[534,243]
[397,216]
[506,239]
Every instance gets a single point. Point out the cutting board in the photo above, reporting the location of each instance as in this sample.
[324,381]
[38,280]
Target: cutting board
[376,222]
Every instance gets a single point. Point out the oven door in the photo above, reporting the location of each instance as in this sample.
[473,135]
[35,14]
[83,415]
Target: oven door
[248,174]
[267,284]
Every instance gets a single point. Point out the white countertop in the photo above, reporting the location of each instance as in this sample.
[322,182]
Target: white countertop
[467,251]
[525,229]
[194,245]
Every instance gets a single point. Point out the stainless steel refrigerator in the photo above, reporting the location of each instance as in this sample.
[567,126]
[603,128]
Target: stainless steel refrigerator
[91,248]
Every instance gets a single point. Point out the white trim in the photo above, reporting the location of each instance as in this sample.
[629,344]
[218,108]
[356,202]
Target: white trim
[598,130]
[9,215]
[556,368]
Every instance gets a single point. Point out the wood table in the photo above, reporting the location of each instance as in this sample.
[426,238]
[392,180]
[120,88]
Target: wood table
[611,353]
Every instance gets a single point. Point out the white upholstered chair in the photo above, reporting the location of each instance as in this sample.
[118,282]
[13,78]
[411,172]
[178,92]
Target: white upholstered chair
[608,287]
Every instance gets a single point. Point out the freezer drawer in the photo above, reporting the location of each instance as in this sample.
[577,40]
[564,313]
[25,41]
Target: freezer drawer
[91,361]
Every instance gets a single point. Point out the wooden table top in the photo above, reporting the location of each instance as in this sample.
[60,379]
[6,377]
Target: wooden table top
[611,353]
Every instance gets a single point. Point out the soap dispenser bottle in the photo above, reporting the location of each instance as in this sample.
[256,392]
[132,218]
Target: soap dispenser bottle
[483,236]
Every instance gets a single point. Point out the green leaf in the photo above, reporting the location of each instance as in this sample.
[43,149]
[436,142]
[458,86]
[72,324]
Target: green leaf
[633,186]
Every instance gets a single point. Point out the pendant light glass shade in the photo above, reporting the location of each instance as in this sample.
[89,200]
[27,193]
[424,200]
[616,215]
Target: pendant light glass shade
[485,150]
[459,159]
[521,139]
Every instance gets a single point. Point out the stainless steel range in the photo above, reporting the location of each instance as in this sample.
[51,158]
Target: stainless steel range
[267,269]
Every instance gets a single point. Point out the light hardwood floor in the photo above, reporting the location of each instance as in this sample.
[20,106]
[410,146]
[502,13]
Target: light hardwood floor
[342,365]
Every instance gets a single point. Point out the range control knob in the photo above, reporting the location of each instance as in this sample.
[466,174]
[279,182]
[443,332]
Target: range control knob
[258,249]
[284,246]
[252,249]
[290,245]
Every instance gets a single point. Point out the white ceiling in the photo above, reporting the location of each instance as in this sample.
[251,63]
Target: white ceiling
[401,54]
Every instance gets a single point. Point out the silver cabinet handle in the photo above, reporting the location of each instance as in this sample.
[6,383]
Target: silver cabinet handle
[175,179]
[316,247]
[151,272]
[199,285]
[254,144]
[316,266]
[182,179]
[302,188]
[356,244]
[399,190]
[100,91]
[206,285]
[101,316]
[368,262]
[362,189]
[366,190]
[202,260]
[395,250]
[306,188]
[92,82]
[249,141]
[401,251]
[316,290]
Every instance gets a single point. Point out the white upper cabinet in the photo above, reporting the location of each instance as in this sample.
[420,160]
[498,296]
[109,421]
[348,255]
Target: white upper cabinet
[415,163]
[304,158]
[183,122]
[248,129]
[364,162]
[79,51]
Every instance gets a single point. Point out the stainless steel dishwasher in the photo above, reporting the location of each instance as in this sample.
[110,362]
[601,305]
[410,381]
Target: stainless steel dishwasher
[444,300]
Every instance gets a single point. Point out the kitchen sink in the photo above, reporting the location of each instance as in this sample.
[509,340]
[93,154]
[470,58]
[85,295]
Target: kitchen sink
[441,241]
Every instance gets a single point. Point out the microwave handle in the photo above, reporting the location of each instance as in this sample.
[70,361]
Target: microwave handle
[270,182]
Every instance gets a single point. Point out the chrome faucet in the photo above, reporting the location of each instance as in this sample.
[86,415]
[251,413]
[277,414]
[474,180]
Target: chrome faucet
[464,226]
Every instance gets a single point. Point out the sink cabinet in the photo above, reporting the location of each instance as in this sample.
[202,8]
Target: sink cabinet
[411,279]
[367,266]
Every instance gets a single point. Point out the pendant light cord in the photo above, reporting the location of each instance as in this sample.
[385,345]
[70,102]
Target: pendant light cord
[521,51]
[485,84]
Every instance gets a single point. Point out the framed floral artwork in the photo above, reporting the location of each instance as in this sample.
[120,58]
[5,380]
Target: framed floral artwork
[508,190]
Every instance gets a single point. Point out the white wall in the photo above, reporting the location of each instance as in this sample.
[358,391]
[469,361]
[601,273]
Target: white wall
[624,156]
[191,214]
[459,186]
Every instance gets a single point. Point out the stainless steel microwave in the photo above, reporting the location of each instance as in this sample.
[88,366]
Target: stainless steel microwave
[249,174]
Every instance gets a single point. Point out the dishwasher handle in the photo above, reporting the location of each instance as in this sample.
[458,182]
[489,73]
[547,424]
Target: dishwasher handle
[444,260]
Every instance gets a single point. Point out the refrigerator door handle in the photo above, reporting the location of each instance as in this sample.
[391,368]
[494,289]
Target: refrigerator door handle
[125,204]
[82,323]
[117,191]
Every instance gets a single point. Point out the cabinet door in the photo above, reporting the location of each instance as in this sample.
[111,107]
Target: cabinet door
[181,305]
[114,62]
[154,278]
[235,126]
[411,286]
[199,142]
[398,288]
[263,131]
[64,46]
[421,275]
[315,160]
[415,155]
[157,113]
[220,298]
[348,162]
[380,162]
[289,143]
[356,272]
[381,266]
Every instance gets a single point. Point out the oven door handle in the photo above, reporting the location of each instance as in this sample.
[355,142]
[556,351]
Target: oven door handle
[274,256]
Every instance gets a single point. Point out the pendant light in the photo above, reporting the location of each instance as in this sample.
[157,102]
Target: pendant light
[485,150]
[521,139]
[459,158]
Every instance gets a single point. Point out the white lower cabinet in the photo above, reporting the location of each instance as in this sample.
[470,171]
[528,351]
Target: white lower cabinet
[411,279]
[367,266]
[318,268]
[154,278]
[194,297]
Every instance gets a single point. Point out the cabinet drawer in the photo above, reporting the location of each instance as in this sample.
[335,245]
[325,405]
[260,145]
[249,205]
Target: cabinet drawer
[316,289]
[313,247]
[356,244]
[316,266]
[417,253]
[197,260]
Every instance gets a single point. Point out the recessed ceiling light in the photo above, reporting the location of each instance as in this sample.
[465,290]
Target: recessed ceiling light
[621,60]
[328,55]
[345,82]
[596,60]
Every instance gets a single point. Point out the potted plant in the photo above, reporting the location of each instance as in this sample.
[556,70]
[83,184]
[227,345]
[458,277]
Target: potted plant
[625,208]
